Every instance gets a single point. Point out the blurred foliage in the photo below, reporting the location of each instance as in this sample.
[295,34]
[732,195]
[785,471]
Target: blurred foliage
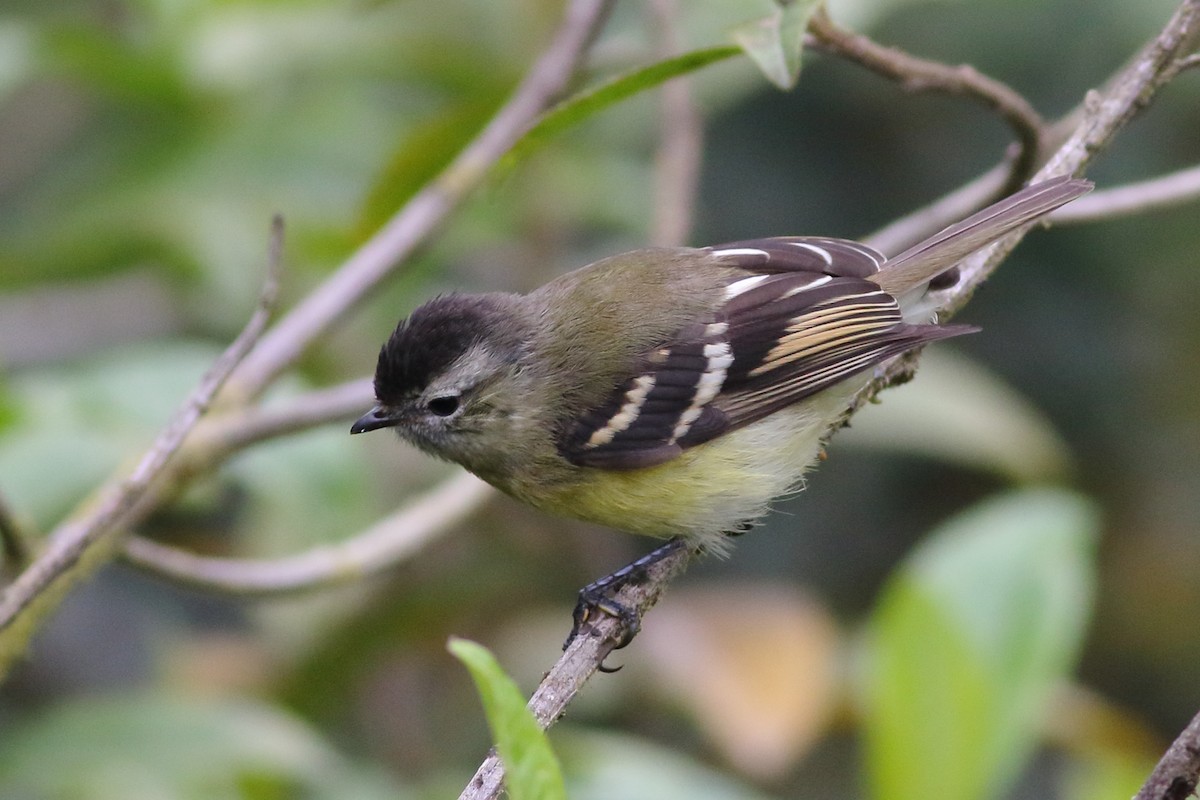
[969,639]
[123,747]
[144,145]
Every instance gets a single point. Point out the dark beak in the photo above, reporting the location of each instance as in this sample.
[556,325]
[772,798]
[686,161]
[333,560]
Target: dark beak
[373,420]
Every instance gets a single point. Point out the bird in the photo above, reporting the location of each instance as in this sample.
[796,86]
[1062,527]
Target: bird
[673,392]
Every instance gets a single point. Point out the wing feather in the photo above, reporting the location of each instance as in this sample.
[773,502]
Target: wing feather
[802,318]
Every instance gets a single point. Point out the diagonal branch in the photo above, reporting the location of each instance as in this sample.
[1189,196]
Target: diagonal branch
[1177,774]
[85,535]
[578,663]
[421,216]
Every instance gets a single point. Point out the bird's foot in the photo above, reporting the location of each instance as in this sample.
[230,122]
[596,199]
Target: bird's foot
[600,597]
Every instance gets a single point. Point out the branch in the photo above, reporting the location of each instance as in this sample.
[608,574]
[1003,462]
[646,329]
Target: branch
[578,663]
[31,595]
[381,547]
[1134,198]
[1176,775]
[921,75]
[920,224]
[420,217]
[221,437]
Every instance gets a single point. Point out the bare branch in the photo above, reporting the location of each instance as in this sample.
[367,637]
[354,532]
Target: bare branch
[578,663]
[913,227]
[921,75]
[385,544]
[421,216]
[1177,774]
[1181,64]
[220,437]
[30,594]
[680,146]
[1134,198]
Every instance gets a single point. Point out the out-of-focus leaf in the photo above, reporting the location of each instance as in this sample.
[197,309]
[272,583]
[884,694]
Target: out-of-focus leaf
[16,54]
[969,639]
[421,156]
[603,767]
[8,407]
[775,42]
[1108,752]
[1105,776]
[756,665]
[958,411]
[74,425]
[592,101]
[151,746]
[531,772]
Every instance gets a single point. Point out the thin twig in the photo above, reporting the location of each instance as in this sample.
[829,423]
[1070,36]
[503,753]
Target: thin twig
[920,224]
[920,75]
[420,217]
[82,535]
[1134,198]
[680,143]
[1177,774]
[578,663]
[1181,64]
[220,437]
[384,545]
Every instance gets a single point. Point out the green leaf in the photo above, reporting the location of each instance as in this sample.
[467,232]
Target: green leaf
[143,746]
[775,41]
[960,412]
[531,770]
[592,101]
[968,641]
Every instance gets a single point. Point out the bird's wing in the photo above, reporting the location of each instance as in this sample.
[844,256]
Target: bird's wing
[803,317]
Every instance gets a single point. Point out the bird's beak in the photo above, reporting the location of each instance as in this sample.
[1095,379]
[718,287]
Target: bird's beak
[374,419]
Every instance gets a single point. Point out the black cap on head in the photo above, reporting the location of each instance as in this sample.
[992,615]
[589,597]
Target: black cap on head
[431,339]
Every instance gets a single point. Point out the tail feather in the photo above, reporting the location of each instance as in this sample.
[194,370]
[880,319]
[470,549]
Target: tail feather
[926,260]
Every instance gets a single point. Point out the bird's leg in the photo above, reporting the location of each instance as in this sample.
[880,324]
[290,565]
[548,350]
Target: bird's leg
[600,596]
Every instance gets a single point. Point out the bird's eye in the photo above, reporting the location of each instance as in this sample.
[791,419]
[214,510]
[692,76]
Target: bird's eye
[443,406]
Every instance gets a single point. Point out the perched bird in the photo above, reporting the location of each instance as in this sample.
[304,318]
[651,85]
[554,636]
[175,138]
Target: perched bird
[672,392]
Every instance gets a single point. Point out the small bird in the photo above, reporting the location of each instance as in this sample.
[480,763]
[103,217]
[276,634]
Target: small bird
[672,392]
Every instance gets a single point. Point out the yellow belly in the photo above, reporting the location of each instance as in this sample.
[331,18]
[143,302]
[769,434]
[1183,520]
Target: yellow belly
[709,490]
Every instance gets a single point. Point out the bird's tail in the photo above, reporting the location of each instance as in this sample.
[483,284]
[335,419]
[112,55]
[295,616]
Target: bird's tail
[928,259]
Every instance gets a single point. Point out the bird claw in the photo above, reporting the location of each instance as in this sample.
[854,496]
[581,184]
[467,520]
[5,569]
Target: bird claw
[600,597]
[596,599]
